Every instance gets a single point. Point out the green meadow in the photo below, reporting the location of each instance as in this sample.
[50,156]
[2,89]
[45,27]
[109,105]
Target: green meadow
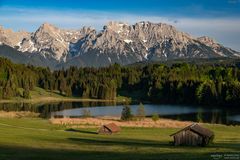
[35,138]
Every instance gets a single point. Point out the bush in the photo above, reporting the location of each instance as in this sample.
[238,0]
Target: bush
[126,113]
[141,111]
[155,117]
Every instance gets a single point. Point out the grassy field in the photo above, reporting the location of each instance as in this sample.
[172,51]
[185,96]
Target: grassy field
[26,138]
[39,95]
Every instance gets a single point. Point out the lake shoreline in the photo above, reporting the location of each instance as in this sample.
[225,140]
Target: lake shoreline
[56,99]
[18,114]
[39,95]
[93,122]
[49,106]
[96,122]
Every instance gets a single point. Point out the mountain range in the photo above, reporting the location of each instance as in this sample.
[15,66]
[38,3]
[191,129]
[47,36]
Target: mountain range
[117,42]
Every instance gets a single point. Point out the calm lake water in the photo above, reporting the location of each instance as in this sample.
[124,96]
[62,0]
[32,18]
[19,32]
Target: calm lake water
[228,116]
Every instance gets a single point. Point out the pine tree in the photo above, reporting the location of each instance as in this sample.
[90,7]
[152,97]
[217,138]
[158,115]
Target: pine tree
[62,86]
[126,113]
[141,111]
[68,92]
[155,117]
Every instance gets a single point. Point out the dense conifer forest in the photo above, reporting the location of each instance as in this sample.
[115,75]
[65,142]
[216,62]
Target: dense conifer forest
[178,83]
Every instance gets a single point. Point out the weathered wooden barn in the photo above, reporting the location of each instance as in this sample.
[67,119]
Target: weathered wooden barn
[109,129]
[193,135]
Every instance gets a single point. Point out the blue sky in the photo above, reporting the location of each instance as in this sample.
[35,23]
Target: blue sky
[219,19]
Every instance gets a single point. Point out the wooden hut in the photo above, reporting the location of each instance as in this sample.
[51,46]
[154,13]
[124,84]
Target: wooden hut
[193,135]
[109,129]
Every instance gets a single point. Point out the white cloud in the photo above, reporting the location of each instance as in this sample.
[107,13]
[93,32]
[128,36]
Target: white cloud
[224,30]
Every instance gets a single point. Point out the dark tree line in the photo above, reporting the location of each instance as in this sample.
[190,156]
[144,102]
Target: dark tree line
[179,83]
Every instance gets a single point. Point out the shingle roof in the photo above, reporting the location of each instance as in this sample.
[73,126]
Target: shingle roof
[112,127]
[198,129]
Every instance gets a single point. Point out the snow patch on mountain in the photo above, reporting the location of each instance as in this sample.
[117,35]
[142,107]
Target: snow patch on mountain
[237,54]
[117,43]
[109,59]
[128,40]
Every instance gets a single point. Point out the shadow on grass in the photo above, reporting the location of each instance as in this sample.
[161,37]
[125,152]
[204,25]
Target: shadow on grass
[234,146]
[122,142]
[80,131]
[26,153]
[148,143]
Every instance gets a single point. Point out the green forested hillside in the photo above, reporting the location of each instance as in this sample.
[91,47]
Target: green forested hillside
[182,83]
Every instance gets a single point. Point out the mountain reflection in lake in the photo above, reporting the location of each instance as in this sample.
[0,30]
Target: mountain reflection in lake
[179,112]
[46,109]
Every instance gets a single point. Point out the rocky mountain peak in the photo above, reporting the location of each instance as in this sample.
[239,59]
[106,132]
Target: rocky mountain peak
[118,42]
[144,23]
[117,27]
[86,30]
[11,38]
[115,24]
[47,27]
[53,42]
[207,40]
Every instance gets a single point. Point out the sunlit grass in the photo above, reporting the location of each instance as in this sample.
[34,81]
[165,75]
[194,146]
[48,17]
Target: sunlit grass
[34,138]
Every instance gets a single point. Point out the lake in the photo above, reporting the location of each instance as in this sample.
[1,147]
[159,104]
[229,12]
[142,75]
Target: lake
[216,115]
